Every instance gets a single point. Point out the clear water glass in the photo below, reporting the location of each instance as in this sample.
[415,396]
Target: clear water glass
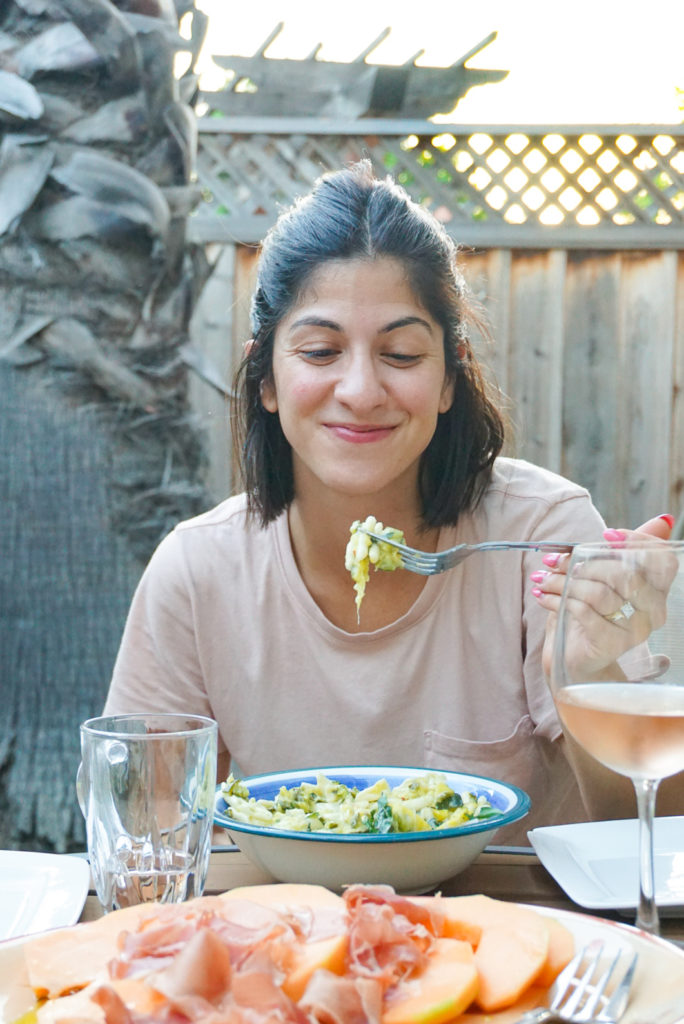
[146,787]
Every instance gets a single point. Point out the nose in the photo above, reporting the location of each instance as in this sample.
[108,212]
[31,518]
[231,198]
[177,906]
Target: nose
[360,384]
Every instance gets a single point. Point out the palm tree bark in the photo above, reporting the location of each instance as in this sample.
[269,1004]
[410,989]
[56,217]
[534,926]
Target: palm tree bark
[98,453]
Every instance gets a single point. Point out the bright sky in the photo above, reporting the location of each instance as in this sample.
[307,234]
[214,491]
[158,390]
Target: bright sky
[586,62]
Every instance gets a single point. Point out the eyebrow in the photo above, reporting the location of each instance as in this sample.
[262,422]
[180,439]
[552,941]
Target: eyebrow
[404,321]
[407,321]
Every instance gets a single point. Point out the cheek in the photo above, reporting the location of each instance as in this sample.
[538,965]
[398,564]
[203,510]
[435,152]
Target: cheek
[303,394]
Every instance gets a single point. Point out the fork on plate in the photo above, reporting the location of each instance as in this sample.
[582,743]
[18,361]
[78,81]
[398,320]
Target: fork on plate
[429,563]
[577,995]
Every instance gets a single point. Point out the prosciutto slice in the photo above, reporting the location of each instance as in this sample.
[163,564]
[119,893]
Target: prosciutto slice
[329,999]
[389,936]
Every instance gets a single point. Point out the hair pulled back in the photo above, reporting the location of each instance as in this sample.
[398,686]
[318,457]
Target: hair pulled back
[350,214]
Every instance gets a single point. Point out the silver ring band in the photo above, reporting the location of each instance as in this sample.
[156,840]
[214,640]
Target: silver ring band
[626,611]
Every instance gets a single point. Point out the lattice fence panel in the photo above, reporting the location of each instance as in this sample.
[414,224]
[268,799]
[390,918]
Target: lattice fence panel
[531,184]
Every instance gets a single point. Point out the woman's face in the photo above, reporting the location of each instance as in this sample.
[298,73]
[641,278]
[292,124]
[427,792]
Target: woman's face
[358,379]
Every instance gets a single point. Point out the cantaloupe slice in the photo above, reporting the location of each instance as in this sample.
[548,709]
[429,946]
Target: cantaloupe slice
[533,998]
[444,988]
[78,1006]
[65,959]
[469,917]
[512,949]
[508,961]
[139,996]
[456,925]
[511,952]
[326,954]
[561,952]
[286,894]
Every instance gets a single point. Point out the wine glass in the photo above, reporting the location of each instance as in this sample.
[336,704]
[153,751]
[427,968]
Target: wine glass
[617,672]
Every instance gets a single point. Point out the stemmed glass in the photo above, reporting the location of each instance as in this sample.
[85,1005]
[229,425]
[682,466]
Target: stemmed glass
[618,672]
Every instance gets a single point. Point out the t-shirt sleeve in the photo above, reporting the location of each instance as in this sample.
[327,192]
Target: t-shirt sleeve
[158,665]
[573,518]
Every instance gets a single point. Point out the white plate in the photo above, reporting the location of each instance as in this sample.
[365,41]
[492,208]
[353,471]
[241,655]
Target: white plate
[40,891]
[596,863]
[657,996]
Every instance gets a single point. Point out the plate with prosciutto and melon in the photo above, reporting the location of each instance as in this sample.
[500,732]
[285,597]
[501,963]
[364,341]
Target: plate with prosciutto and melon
[303,954]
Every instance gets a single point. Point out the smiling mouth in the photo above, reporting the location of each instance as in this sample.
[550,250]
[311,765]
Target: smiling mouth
[360,434]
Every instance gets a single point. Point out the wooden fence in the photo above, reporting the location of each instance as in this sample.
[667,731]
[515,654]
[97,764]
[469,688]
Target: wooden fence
[571,241]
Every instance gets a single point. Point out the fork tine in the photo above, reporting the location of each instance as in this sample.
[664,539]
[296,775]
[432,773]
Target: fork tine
[425,563]
[574,998]
[598,989]
[565,978]
[422,562]
[617,1004]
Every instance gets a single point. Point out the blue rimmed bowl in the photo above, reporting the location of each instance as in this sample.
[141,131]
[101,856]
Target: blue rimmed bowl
[408,861]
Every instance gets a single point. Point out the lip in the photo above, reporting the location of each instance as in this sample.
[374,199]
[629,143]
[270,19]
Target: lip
[359,433]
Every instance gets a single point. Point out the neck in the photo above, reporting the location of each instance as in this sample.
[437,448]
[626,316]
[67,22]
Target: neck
[320,528]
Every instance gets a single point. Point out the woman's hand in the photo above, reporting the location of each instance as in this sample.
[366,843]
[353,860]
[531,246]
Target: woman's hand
[611,615]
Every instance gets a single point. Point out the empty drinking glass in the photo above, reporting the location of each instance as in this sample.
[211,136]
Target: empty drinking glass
[146,788]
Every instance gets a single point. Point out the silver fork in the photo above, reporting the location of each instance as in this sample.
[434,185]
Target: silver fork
[428,563]
[577,995]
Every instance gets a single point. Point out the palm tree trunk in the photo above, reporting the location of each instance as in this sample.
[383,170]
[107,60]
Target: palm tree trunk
[98,454]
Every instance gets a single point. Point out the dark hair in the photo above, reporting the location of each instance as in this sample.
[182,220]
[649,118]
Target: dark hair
[350,214]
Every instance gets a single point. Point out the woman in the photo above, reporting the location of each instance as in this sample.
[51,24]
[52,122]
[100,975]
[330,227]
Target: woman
[358,395]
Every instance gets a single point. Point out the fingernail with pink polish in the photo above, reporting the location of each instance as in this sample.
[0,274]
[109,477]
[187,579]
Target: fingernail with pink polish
[537,592]
[615,535]
[551,559]
[539,576]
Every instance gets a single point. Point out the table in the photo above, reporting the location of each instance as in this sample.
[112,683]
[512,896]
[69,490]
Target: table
[506,873]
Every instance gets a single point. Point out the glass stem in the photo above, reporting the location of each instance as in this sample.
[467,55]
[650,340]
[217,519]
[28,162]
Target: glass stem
[647,913]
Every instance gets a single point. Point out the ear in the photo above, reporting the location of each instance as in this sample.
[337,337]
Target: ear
[266,389]
[269,399]
[446,399]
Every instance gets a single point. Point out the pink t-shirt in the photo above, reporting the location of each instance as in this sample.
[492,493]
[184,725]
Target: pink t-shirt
[223,625]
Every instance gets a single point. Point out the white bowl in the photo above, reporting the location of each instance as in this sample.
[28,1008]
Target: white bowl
[408,861]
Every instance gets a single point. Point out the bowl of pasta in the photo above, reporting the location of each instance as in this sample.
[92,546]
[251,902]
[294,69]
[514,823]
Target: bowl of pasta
[411,828]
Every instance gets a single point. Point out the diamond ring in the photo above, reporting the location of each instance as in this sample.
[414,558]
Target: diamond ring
[626,611]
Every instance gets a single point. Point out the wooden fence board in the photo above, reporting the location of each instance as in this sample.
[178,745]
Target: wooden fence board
[647,333]
[211,335]
[535,378]
[488,275]
[591,397]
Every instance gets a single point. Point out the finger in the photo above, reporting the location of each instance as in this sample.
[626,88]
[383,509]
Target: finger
[659,526]
[548,601]
[601,590]
[600,595]
[556,562]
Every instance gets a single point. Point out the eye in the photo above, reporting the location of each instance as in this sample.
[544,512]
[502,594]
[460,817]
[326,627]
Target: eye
[401,358]
[323,354]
